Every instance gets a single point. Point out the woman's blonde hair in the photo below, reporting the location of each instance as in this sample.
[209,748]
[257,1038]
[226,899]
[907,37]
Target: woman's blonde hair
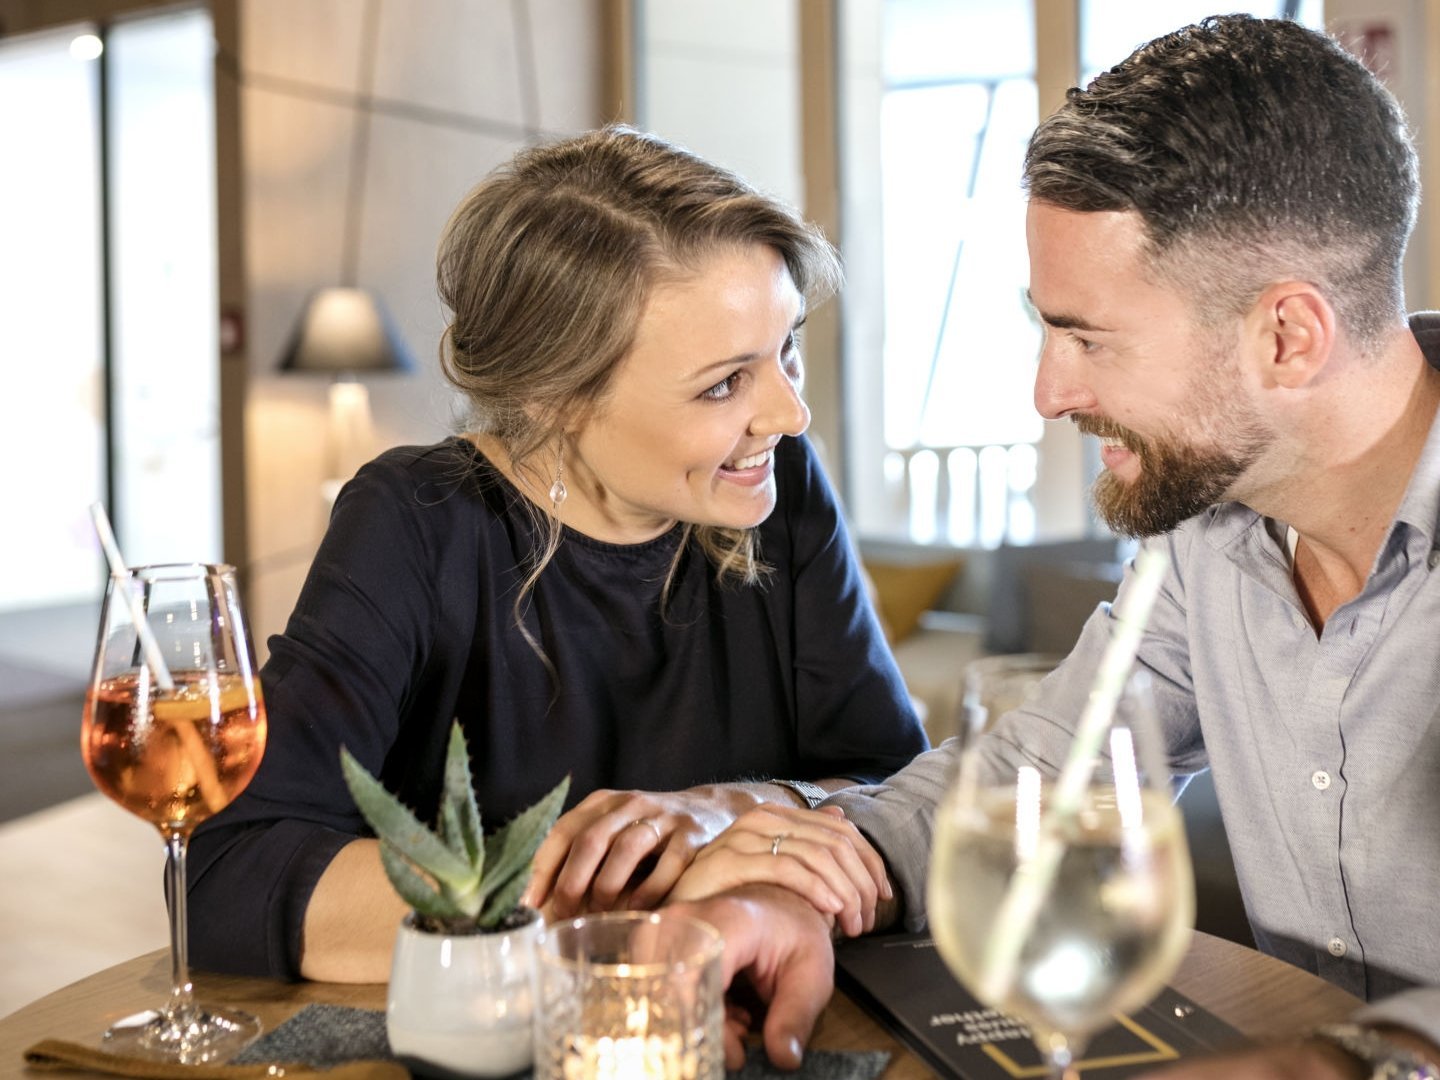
[547,266]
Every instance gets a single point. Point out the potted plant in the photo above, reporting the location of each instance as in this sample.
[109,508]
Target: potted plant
[461,991]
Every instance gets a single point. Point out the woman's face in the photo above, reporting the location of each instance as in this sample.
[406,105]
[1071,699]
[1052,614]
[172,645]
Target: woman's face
[687,429]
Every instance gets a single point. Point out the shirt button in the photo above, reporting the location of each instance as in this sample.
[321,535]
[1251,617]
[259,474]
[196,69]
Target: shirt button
[1337,947]
[1433,559]
[1321,779]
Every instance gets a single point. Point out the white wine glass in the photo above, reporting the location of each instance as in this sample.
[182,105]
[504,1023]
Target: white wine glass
[174,756]
[1064,901]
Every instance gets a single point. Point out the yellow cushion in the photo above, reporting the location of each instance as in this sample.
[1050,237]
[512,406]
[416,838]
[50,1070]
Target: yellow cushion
[903,591]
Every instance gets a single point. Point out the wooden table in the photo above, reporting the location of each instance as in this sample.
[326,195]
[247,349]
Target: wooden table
[1262,997]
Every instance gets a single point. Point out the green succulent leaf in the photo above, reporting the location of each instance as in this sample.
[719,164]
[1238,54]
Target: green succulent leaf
[460,813]
[393,822]
[411,887]
[503,901]
[510,851]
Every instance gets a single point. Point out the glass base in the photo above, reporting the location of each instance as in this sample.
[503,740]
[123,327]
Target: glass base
[189,1036]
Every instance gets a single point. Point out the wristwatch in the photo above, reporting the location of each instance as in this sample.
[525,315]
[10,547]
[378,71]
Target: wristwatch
[1386,1060]
[813,794]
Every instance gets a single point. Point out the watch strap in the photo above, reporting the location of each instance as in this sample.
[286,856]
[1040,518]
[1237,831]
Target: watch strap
[813,794]
[1385,1059]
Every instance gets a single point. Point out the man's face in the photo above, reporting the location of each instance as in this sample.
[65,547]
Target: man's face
[1125,359]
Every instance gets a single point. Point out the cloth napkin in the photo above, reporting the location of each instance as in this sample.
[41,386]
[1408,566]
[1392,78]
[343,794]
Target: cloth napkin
[336,1042]
[53,1055]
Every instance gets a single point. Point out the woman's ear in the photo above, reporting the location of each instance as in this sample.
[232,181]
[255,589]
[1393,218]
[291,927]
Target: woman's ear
[1290,332]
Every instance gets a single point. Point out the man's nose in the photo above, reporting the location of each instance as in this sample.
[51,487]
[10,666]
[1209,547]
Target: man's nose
[1060,388]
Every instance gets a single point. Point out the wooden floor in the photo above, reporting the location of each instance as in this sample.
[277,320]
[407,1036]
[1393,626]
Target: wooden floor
[83,889]
[81,880]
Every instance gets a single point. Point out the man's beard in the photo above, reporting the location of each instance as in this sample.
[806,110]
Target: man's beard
[1175,483]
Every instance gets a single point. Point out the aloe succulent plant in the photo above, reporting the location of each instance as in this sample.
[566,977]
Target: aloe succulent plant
[457,879]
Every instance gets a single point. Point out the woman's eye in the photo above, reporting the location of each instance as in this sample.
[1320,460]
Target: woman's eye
[724,388]
[792,362]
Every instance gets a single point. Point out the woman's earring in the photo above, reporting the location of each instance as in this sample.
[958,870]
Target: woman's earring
[558,490]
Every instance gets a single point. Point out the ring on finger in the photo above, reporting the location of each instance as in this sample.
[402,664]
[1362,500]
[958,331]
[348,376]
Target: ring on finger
[650,822]
[775,847]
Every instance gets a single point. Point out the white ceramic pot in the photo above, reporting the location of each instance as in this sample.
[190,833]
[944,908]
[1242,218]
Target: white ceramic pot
[462,1006]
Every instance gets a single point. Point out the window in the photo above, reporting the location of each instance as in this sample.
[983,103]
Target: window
[932,161]
[126,411]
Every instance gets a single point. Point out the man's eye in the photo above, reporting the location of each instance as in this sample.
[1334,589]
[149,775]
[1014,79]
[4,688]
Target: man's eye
[1084,344]
[724,388]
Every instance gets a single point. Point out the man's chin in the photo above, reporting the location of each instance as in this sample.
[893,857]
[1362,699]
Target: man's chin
[1127,509]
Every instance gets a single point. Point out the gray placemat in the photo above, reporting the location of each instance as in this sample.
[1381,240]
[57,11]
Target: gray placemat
[329,1035]
[322,1035]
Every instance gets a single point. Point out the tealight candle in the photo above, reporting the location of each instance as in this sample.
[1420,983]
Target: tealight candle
[628,996]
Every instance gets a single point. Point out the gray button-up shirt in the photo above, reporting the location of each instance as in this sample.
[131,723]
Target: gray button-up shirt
[1325,751]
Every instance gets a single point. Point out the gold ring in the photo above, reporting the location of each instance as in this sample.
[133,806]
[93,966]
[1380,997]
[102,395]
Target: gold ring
[650,822]
[775,847]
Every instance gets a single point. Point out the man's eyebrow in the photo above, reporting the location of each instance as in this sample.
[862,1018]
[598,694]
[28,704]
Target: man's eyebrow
[1064,322]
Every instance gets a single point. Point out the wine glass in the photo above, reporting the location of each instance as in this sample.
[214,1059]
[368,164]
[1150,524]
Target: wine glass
[174,755]
[1063,901]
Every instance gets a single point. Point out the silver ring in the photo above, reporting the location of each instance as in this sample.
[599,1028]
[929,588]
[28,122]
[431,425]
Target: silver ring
[650,822]
[775,847]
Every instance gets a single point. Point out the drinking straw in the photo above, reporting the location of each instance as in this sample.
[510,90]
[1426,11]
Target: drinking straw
[1033,878]
[148,644]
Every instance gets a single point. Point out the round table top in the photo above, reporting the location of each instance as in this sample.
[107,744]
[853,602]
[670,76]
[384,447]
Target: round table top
[1262,997]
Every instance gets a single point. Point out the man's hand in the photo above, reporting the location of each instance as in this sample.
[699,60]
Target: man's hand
[782,946]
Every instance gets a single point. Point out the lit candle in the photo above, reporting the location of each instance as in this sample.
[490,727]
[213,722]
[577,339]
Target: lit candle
[647,1057]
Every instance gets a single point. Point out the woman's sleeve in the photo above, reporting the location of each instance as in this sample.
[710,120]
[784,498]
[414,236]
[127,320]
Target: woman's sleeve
[344,672]
[855,716]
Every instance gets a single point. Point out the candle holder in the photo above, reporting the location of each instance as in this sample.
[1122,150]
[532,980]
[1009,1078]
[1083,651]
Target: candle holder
[630,996]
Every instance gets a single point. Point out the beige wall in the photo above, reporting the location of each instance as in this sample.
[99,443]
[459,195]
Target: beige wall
[451,100]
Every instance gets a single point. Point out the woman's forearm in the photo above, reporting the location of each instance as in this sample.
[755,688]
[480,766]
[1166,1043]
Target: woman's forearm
[351,919]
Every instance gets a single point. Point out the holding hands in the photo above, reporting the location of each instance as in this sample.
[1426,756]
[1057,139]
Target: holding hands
[635,849]
[815,853]
[626,848]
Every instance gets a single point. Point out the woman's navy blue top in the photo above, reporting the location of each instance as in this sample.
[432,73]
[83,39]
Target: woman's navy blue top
[406,621]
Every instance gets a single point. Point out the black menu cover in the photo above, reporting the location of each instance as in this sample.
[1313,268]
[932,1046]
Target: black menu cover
[903,982]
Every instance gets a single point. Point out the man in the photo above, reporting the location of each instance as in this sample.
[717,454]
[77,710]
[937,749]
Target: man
[1215,232]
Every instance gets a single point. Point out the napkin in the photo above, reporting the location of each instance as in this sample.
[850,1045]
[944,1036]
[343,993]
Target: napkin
[54,1054]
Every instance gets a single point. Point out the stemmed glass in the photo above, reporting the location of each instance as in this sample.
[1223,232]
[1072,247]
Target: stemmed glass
[1064,900]
[174,755]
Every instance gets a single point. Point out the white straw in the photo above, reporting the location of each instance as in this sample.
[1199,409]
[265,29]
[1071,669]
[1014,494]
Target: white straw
[118,571]
[1033,878]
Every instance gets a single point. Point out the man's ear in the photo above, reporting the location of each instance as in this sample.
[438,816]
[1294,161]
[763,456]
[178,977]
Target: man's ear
[1290,332]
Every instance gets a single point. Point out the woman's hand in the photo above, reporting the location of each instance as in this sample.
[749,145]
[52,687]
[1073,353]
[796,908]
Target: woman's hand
[628,848]
[816,853]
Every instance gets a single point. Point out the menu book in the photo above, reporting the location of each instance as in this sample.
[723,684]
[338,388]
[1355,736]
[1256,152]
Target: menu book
[902,981]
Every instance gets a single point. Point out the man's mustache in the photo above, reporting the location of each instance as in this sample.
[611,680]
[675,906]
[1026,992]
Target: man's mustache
[1108,429]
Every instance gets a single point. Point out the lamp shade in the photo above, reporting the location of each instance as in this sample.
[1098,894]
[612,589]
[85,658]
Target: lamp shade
[345,330]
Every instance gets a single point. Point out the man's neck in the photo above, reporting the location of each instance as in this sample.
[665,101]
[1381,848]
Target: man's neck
[1344,496]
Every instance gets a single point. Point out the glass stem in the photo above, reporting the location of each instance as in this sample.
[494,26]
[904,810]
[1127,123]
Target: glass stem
[1061,1054]
[181,1000]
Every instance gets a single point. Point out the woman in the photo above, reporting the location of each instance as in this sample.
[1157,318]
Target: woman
[629,569]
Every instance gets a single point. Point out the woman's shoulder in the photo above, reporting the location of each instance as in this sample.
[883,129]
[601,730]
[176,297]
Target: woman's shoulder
[429,487]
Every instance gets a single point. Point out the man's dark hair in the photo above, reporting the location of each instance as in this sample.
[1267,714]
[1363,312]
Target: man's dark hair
[1254,150]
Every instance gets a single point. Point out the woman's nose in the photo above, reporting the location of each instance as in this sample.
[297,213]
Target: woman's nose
[781,411]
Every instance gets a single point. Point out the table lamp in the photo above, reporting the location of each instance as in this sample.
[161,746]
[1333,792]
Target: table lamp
[343,332]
